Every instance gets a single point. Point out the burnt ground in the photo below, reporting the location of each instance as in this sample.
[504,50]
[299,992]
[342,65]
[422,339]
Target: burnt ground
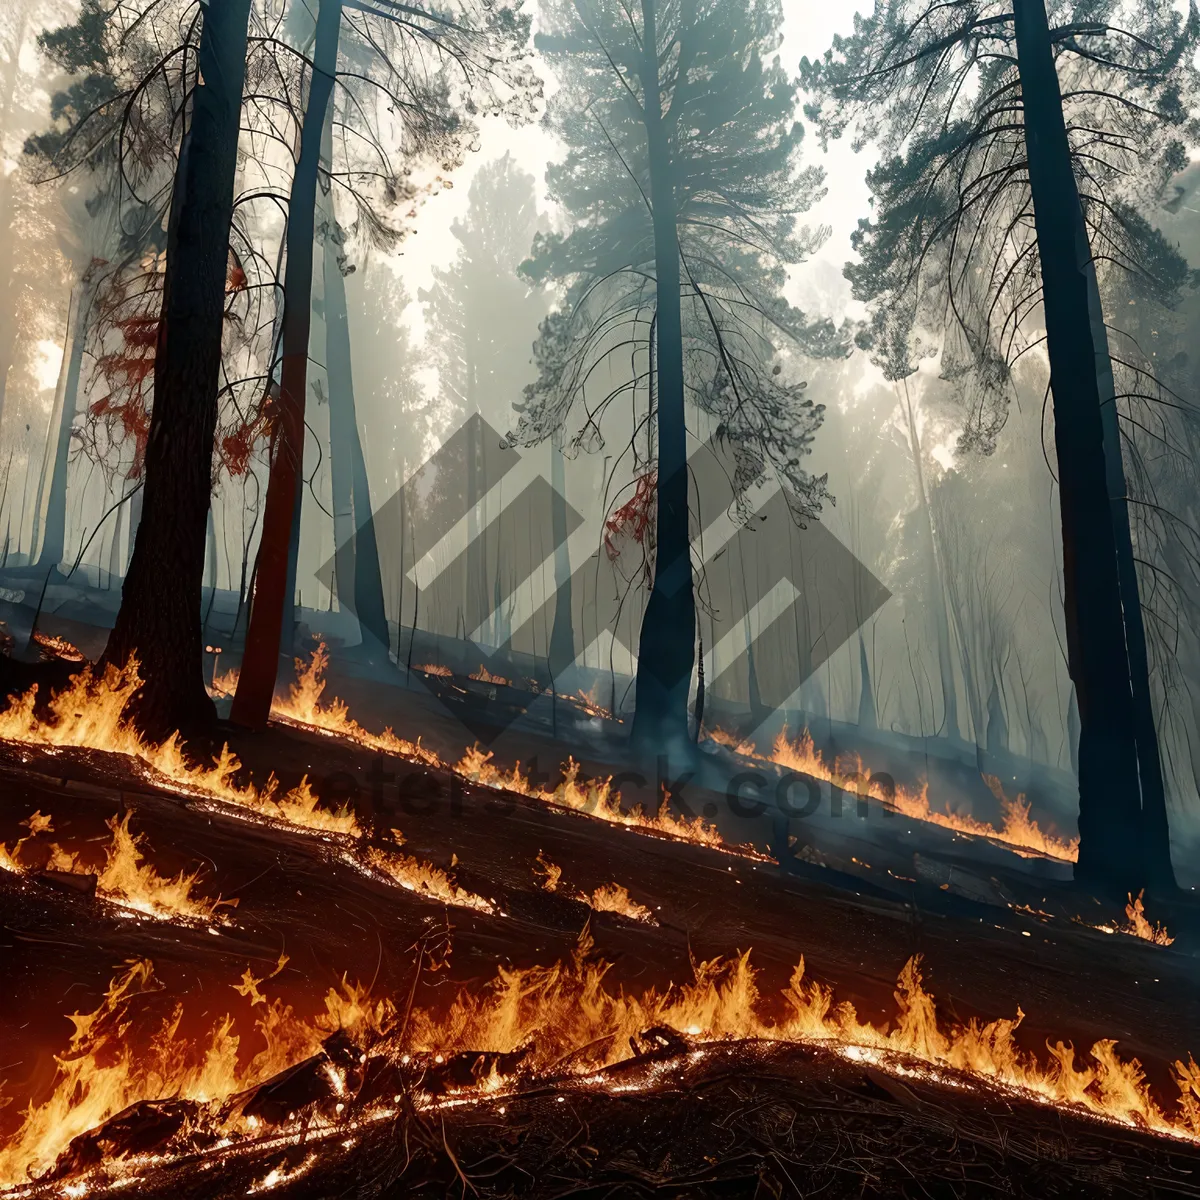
[856,899]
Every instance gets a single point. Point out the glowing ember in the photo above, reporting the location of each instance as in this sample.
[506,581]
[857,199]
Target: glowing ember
[126,879]
[551,1022]
[52,646]
[281,1175]
[88,714]
[1018,830]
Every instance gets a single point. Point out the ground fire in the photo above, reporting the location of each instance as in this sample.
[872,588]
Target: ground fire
[563,637]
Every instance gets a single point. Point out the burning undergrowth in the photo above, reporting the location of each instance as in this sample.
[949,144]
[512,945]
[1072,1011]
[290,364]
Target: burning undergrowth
[422,878]
[132,1093]
[304,707]
[1018,830]
[89,714]
[608,897]
[125,878]
[595,798]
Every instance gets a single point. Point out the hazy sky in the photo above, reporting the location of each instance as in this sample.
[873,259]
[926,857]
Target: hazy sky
[808,30]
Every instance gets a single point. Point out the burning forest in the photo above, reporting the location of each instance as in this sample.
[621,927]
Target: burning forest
[679,680]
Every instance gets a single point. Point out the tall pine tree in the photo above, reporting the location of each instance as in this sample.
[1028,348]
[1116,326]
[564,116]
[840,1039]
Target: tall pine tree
[682,185]
[1016,148]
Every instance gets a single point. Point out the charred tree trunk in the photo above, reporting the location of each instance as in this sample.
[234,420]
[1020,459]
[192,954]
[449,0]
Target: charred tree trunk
[341,406]
[1110,818]
[867,717]
[368,577]
[1156,834]
[260,661]
[59,441]
[159,618]
[667,643]
[363,578]
[8,315]
[562,634]
[941,621]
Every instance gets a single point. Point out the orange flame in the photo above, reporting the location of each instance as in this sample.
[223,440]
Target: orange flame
[566,1020]
[126,879]
[596,798]
[610,897]
[426,880]
[1140,925]
[483,675]
[1019,830]
[303,707]
[88,714]
[613,898]
[101,1073]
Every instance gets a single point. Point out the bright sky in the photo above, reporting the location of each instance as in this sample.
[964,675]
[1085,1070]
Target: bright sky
[808,30]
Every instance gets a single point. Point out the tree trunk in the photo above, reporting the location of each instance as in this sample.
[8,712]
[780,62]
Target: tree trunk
[8,315]
[867,718]
[937,595]
[667,643]
[54,541]
[1156,834]
[62,414]
[562,635]
[341,413]
[159,618]
[116,559]
[364,580]
[260,660]
[1110,824]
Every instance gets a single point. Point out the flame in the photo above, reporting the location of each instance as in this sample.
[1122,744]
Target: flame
[563,1020]
[226,683]
[596,798]
[426,880]
[483,675]
[614,898]
[435,669]
[88,714]
[589,701]
[102,1074]
[567,1012]
[126,879]
[51,646]
[609,897]
[1018,829]
[551,872]
[303,707]
[1140,926]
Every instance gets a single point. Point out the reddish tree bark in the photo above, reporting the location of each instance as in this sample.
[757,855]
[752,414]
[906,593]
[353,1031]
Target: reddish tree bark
[260,660]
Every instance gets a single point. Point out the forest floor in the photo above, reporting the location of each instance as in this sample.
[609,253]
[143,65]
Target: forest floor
[995,932]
